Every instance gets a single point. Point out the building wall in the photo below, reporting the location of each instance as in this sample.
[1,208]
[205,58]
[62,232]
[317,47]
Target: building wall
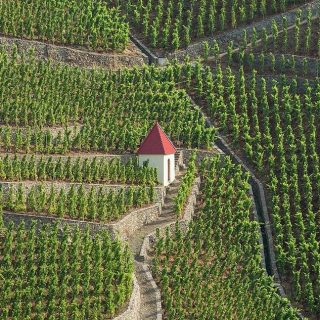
[160,162]
[172,169]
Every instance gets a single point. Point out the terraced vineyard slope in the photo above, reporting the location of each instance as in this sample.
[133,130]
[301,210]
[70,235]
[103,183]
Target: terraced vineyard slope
[213,271]
[171,25]
[88,23]
[52,274]
[91,108]
[273,125]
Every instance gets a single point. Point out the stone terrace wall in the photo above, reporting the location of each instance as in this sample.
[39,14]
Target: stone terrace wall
[127,226]
[159,191]
[121,229]
[201,154]
[133,310]
[77,57]
[124,158]
[40,221]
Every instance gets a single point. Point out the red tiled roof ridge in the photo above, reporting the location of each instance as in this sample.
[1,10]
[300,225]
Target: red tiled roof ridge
[157,142]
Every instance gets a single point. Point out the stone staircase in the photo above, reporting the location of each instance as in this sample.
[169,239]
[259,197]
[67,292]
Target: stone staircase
[167,216]
[148,308]
[169,205]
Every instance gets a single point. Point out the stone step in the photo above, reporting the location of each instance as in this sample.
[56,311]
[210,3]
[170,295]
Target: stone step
[169,215]
[162,220]
[168,205]
[170,197]
[173,189]
[175,183]
[167,211]
[179,175]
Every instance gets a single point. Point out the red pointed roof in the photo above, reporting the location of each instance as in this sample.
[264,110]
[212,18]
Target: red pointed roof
[157,142]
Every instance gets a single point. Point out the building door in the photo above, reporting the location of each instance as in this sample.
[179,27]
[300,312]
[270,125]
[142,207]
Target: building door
[169,170]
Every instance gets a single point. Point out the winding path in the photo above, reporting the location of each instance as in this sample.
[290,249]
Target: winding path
[148,294]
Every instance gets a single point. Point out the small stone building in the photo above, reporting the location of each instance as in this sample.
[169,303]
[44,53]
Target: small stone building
[159,151]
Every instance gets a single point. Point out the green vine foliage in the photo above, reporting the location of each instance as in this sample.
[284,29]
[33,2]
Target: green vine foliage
[2,225]
[213,270]
[185,186]
[302,40]
[173,24]
[77,202]
[78,169]
[88,23]
[52,274]
[96,110]
[276,124]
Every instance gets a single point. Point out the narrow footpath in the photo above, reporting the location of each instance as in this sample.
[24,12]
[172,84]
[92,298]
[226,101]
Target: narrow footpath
[148,308]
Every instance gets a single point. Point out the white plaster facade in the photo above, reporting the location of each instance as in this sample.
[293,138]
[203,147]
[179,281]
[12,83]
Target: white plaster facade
[162,163]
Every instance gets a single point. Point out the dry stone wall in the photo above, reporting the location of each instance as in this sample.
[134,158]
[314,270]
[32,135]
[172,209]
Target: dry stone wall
[159,191]
[133,310]
[121,229]
[124,158]
[201,154]
[73,56]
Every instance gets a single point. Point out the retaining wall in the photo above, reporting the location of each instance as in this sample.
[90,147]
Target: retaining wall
[256,218]
[200,154]
[122,157]
[120,229]
[133,310]
[76,56]
[27,185]
[152,58]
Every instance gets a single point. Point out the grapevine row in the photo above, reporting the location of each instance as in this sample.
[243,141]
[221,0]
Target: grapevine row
[62,275]
[76,170]
[88,23]
[172,24]
[76,203]
[214,270]
[185,186]
[36,95]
